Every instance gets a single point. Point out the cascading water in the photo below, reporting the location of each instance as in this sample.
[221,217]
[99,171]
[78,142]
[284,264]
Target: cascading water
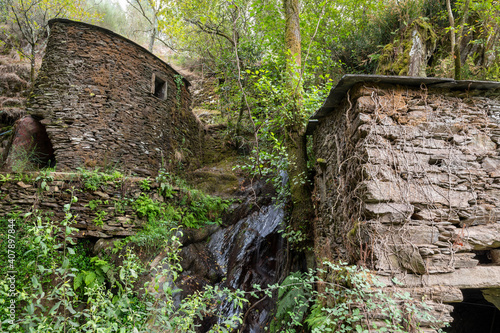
[248,252]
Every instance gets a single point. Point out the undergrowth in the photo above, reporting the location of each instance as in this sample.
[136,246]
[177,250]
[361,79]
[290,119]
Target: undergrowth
[342,298]
[182,206]
[60,288]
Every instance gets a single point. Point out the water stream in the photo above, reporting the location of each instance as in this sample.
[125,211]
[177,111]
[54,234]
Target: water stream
[248,253]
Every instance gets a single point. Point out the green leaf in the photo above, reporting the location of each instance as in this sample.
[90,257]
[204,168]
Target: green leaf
[78,280]
[54,308]
[90,277]
[65,263]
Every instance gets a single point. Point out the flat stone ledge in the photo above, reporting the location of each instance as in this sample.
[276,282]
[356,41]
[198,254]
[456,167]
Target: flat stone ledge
[479,277]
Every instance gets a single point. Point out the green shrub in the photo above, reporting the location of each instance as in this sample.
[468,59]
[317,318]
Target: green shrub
[62,280]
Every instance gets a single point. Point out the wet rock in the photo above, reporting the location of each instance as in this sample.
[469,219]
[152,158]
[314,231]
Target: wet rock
[190,236]
[199,262]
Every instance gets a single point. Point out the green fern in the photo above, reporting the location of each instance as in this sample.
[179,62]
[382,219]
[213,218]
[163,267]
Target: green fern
[293,301]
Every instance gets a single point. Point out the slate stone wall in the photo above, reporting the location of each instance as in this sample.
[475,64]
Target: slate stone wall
[95,96]
[50,194]
[408,183]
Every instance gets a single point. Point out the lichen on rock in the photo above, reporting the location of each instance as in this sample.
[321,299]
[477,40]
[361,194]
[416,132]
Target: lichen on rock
[409,55]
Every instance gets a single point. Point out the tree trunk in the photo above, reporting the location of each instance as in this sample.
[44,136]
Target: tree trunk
[456,42]
[293,52]
[452,36]
[32,65]
[153,35]
[458,56]
[302,209]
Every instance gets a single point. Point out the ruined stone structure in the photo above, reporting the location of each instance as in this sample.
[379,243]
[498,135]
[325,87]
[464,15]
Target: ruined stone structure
[408,183]
[106,101]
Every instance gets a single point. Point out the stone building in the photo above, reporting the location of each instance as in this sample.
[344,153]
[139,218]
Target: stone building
[106,101]
[408,184]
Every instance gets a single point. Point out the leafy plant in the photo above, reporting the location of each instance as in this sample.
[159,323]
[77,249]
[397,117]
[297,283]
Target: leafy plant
[146,185]
[92,180]
[345,299]
[146,207]
[294,297]
[99,219]
[106,296]
[165,181]
[93,204]
[44,177]
[100,271]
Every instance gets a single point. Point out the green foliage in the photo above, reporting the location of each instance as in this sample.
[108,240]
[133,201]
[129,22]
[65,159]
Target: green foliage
[99,272]
[165,181]
[93,204]
[146,185]
[293,301]
[92,180]
[296,238]
[345,299]
[188,208]
[58,278]
[44,177]
[99,219]
[147,208]
[5,177]
[30,18]
[120,206]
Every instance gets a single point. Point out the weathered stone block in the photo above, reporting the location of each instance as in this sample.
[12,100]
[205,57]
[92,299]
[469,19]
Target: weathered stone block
[389,212]
[415,193]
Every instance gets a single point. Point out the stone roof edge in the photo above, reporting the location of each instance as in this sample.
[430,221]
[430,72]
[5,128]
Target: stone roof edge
[338,92]
[112,33]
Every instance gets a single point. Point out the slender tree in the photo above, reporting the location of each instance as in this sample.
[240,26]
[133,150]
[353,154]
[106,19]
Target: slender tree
[31,18]
[295,121]
[152,11]
[456,36]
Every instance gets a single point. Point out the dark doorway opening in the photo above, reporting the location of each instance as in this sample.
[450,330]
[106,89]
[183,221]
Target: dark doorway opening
[474,315]
[30,148]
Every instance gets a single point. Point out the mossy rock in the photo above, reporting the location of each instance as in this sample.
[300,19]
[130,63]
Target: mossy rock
[216,180]
[395,57]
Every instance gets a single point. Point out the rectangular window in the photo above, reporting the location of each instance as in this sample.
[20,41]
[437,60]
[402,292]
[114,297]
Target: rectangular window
[159,88]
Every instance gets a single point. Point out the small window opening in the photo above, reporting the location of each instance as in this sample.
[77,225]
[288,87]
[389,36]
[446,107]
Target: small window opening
[159,87]
[483,257]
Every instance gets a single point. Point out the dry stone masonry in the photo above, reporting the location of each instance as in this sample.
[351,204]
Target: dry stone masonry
[408,183]
[106,101]
[102,213]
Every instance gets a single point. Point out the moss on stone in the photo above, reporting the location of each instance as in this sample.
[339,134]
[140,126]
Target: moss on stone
[395,57]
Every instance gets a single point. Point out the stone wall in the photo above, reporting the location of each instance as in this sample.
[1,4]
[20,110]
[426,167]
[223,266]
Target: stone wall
[408,183]
[106,101]
[49,194]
